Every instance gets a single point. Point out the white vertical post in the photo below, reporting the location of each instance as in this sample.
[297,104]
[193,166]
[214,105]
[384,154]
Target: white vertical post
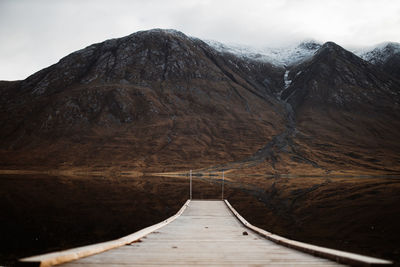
[223,180]
[190,184]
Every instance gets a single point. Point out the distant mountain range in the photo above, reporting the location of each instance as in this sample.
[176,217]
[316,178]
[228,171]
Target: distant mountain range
[383,54]
[281,57]
[159,100]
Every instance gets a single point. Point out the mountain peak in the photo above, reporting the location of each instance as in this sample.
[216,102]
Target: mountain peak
[163,32]
[333,49]
[331,46]
[335,76]
[380,53]
[385,56]
[310,45]
[393,46]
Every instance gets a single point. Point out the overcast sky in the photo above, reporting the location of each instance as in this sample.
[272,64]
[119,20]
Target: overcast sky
[36,34]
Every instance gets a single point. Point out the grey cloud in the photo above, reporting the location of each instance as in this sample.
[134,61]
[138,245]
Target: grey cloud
[35,34]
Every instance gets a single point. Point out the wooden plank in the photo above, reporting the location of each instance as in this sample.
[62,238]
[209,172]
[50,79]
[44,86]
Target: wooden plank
[336,255]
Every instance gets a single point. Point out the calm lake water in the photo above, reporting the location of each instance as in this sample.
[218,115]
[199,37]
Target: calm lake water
[41,213]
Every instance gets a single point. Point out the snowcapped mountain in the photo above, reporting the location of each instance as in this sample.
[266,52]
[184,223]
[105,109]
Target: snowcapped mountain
[294,54]
[283,56]
[385,56]
[380,53]
[156,98]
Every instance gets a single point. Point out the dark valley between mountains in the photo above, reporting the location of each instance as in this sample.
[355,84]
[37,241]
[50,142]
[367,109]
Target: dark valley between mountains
[308,140]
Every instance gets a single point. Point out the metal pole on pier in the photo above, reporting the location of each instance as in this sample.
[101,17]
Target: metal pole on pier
[190,184]
[223,180]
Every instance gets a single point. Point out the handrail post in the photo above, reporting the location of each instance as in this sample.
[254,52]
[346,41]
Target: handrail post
[223,179]
[190,184]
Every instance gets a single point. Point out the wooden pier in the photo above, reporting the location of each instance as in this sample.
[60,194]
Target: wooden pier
[203,233]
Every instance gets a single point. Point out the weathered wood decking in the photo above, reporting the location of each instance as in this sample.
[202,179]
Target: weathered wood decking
[207,233]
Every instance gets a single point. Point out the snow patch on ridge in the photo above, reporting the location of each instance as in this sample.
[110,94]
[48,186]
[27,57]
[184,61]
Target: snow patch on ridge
[379,53]
[286,79]
[286,82]
[285,56]
[290,55]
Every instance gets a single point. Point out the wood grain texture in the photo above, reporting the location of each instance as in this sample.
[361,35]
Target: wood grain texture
[206,234]
[203,233]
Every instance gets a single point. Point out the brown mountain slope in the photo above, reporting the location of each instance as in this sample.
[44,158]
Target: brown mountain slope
[159,100]
[155,99]
[345,118]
